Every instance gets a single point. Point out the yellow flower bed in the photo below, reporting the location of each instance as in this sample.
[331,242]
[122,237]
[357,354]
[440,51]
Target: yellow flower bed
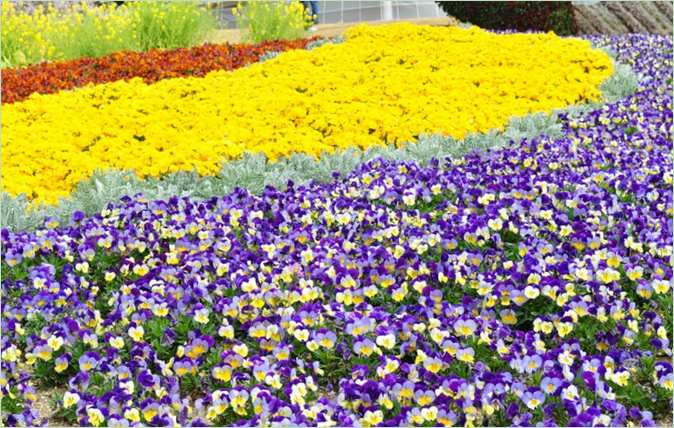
[384,84]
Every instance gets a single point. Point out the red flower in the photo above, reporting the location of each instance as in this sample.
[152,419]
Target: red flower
[152,66]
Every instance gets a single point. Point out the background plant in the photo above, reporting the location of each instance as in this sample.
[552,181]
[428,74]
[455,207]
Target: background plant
[271,20]
[29,7]
[546,16]
[170,24]
[85,30]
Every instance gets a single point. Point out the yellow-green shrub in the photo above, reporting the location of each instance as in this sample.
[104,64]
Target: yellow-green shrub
[87,31]
[260,21]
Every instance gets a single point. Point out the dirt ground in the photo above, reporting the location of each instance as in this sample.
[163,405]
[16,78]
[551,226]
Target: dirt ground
[44,407]
[331,30]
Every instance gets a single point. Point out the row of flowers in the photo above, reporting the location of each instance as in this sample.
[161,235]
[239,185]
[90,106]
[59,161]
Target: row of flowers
[152,66]
[383,85]
[525,286]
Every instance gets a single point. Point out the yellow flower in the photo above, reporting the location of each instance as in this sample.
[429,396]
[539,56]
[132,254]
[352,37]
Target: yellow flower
[223,373]
[117,342]
[378,87]
[70,398]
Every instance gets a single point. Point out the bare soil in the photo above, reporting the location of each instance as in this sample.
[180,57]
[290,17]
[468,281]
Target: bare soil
[43,406]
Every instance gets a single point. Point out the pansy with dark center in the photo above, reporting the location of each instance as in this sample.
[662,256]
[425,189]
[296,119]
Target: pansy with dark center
[529,285]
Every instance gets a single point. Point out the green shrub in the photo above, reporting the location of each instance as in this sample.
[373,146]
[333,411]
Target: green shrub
[84,30]
[260,21]
[545,16]
[170,24]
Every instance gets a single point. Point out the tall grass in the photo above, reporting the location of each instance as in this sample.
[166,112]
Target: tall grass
[260,21]
[87,31]
[171,24]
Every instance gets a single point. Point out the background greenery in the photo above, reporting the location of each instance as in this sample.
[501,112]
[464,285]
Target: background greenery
[260,21]
[545,16]
[86,30]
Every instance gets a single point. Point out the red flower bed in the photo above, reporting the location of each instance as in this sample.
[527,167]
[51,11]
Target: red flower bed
[152,66]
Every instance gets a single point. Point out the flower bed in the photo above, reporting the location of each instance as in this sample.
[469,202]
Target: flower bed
[153,66]
[524,286]
[371,90]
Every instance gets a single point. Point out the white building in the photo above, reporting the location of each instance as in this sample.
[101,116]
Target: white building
[330,12]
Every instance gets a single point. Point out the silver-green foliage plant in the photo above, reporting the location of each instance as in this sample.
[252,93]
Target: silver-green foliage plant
[253,172]
[310,46]
[268,55]
[318,43]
